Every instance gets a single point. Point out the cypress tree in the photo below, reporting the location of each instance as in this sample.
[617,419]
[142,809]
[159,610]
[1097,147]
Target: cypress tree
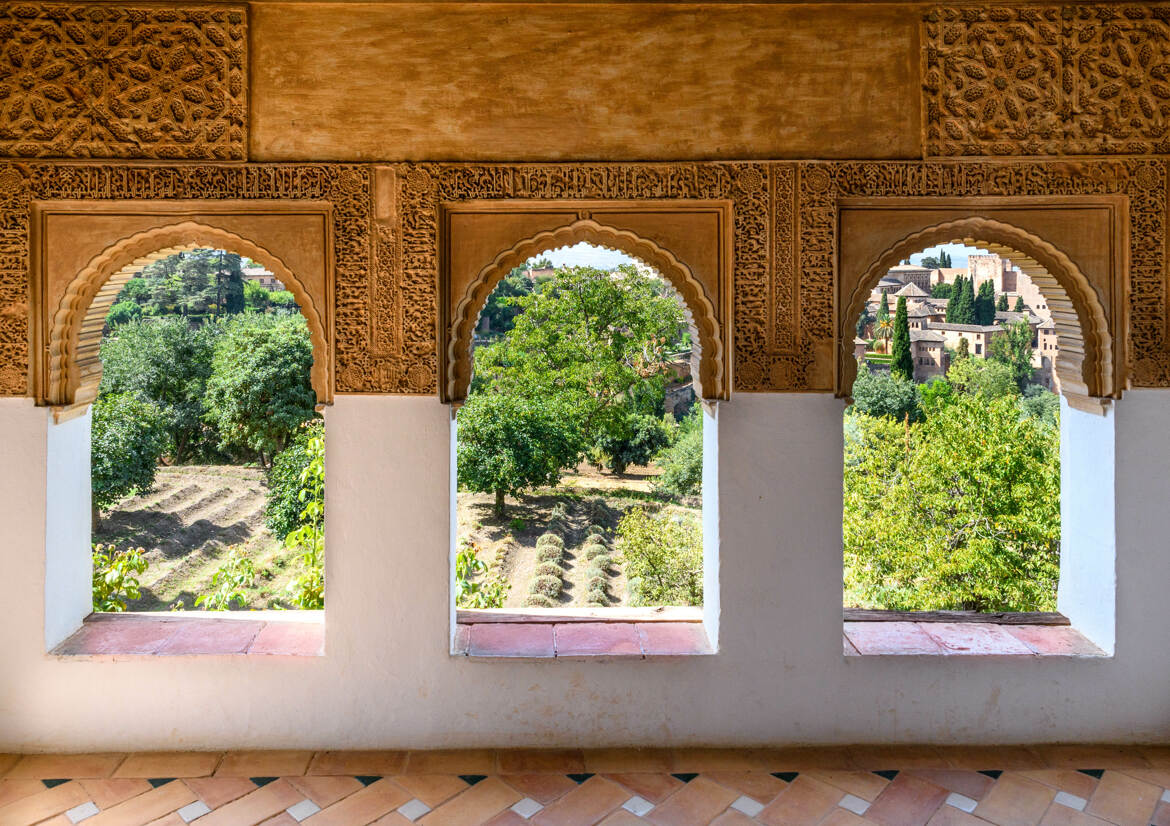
[1001,305]
[883,310]
[944,259]
[985,304]
[902,362]
[964,303]
[956,292]
[1020,308]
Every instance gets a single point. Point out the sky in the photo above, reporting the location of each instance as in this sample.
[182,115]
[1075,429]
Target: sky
[586,255]
[958,253]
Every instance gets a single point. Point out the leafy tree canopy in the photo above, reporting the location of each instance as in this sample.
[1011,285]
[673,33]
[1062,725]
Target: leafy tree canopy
[885,395]
[1014,349]
[127,437]
[902,362]
[941,290]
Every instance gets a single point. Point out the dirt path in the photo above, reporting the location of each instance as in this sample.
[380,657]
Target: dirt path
[187,522]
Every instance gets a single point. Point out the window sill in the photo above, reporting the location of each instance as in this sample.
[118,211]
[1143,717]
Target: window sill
[867,633]
[582,634]
[180,633]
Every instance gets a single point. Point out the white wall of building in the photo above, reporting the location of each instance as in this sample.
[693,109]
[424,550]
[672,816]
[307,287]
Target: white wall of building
[387,679]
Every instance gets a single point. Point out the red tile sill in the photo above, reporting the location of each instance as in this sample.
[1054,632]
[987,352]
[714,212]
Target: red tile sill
[580,638]
[179,633]
[902,638]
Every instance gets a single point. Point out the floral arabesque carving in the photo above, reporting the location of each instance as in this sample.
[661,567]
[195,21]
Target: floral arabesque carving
[707,363]
[113,81]
[1075,79]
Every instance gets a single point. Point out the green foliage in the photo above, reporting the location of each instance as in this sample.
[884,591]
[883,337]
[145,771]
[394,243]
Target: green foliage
[283,510]
[597,598]
[942,290]
[682,462]
[259,393]
[1001,304]
[517,525]
[538,601]
[127,437]
[231,582]
[510,442]
[549,553]
[549,538]
[283,301]
[1041,404]
[166,362]
[663,558]
[135,290]
[601,562]
[863,322]
[985,304]
[501,310]
[307,589]
[196,283]
[961,307]
[1020,307]
[633,440]
[883,394]
[122,313]
[548,586]
[937,262]
[883,308]
[595,530]
[594,551]
[597,582]
[902,364]
[475,587]
[957,512]
[1014,349]
[115,576]
[256,298]
[989,379]
[549,569]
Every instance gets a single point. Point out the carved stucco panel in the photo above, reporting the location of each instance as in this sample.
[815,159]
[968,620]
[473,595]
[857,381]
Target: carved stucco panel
[113,81]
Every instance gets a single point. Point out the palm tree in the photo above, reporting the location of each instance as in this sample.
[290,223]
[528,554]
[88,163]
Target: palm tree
[885,329]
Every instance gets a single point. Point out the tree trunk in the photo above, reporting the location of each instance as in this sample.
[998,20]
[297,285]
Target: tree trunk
[499,508]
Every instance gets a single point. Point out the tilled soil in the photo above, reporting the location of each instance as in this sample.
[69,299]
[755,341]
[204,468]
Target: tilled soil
[187,522]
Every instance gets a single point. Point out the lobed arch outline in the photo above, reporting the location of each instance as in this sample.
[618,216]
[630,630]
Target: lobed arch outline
[74,368]
[707,369]
[1085,362]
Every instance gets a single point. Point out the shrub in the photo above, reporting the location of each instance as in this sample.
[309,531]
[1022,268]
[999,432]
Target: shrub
[549,586]
[596,573]
[231,581]
[550,539]
[549,569]
[601,562]
[128,436]
[663,558]
[115,577]
[682,466]
[538,601]
[599,598]
[596,582]
[471,590]
[517,524]
[633,440]
[593,551]
[596,530]
[549,553]
[883,394]
[284,507]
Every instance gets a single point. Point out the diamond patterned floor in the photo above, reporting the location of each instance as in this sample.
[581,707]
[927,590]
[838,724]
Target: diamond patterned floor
[891,785]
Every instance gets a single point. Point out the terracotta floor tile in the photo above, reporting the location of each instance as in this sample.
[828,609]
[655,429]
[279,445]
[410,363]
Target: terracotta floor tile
[865,785]
[805,801]
[652,786]
[1161,815]
[43,804]
[13,790]
[451,761]
[462,641]
[597,639]
[890,638]
[974,638]
[697,802]
[1015,800]
[543,788]
[282,819]
[1058,815]
[729,818]
[907,801]
[713,760]
[59,820]
[804,759]
[216,791]
[1067,780]
[211,637]
[146,807]
[507,639]
[673,638]
[1124,800]
[7,761]
[391,819]
[433,789]
[74,766]
[950,816]
[841,817]
[135,636]
[106,793]
[584,805]
[1093,757]
[1001,758]
[627,760]
[880,758]
[296,639]
[848,648]
[1159,777]
[971,784]
[172,819]
[759,786]
[264,764]
[363,806]
[169,764]
[541,761]
[482,801]
[1157,756]
[325,790]
[1053,640]
[506,818]
[264,802]
[623,818]
[380,763]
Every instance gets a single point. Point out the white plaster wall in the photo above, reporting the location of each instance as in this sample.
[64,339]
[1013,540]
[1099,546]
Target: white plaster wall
[68,526]
[780,677]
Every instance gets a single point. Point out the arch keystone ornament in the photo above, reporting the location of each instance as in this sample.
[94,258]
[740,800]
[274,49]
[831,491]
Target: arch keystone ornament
[72,369]
[708,365]
[1085,363]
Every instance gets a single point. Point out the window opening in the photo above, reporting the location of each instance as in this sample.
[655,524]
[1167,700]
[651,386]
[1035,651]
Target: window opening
[207,453]
[579,450]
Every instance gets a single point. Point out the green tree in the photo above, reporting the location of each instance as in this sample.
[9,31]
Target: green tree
[682,462]
[985,304]
[127,437]
[863,322]
[283,301]
[981,377]
[259,392]
[633,441]
[883,308]
[961,308]
[283,510]
[509,442]
[1020,306]
[307,588]
[135,290]
[1001,304]
[956,299]
[937,262]
[501,310]
[923,531]
[123,312]
[941,290]
[663,558]
[1013,347]
[256,298]
[1041,404]
[885,395]
[165,362]
[902,363]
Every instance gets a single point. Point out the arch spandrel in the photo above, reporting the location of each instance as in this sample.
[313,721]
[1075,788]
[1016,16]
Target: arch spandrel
[1085,363]
[707,367]
[73,367]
